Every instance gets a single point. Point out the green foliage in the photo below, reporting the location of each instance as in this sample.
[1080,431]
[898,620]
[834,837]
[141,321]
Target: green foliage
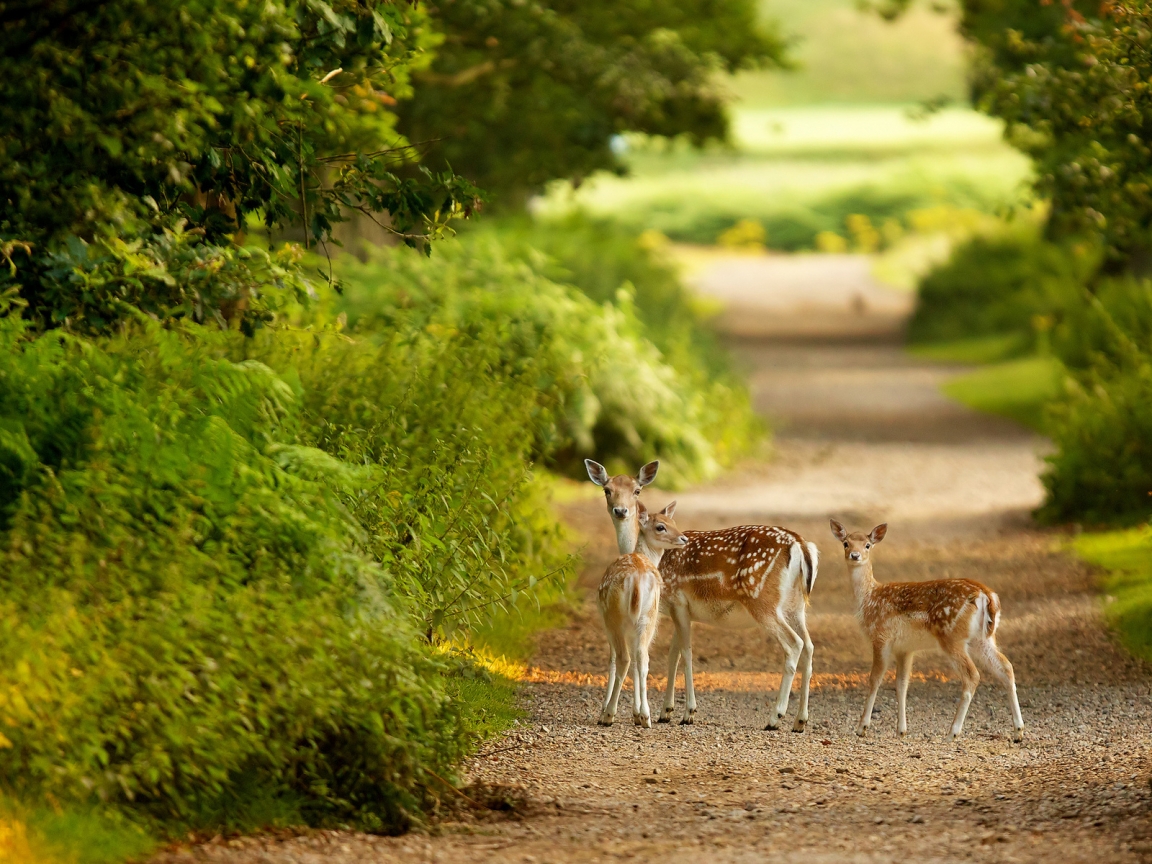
[1102,470]
[520,93]
[1126,557]
[1018,389]
[613,392]
[124,122]
[213,570]
[999,285]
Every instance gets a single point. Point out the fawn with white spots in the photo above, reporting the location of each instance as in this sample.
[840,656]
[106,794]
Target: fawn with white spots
[629,600]
[900,618]
[718,576]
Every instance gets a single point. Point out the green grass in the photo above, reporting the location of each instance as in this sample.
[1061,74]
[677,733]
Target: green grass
[978,349]
[1126,557]
[46,836]
[1018,389]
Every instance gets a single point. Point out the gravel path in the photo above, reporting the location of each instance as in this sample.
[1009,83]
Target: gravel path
[862,435]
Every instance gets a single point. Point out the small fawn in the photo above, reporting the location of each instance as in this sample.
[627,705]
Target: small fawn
[749,574]
[901,618]
[629,600]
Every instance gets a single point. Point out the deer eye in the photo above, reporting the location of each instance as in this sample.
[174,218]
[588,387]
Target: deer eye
[660,528]
[867,545]
[638,491]
[845,545]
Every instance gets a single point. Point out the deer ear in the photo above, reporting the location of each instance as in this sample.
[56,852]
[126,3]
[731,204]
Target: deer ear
[670,510]
[837,529]
[596,472]
[648,473]
[642,515]
[878,532]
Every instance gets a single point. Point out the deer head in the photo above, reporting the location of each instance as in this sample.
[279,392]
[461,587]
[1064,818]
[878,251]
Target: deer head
[858,546]
[622,492]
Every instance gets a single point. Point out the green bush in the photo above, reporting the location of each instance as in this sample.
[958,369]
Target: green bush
[215,570]
[613,393]
[999,284]
[1102,426]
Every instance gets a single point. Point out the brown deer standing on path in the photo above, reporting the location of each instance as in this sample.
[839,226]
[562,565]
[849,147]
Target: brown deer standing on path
[719,575]
[629,600]
[901,618]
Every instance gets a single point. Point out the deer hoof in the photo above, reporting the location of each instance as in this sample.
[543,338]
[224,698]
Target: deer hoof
[603,722]
[901,732]
[689,719]
[862,731]
[642,721]
[666,717]
[1018,735]
[799,725]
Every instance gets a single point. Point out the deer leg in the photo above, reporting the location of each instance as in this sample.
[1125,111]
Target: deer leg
[1001,670]
[875,678]
[801,627]
[623,661]
[903,673]
[673,665]
[606,717]
[641,715]
[970,676]
[793,647]
[684,634]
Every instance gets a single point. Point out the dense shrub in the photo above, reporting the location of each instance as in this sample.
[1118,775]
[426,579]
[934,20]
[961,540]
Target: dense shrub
[998,284]
[615,394]
[1102,426]
[213,570]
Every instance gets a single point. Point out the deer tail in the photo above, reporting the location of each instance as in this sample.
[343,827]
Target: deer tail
[635,598]
[805,559]
[991,606]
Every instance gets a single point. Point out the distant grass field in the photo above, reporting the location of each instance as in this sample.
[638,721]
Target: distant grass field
[846,55]
[1126,557]
[800,171]
[833,139]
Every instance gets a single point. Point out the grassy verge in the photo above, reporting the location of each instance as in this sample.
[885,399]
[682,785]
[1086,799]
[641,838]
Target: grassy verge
[1126,557]
[1007,384]
[46,836]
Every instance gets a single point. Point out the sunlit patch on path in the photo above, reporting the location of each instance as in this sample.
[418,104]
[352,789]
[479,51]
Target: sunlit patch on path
[731,682]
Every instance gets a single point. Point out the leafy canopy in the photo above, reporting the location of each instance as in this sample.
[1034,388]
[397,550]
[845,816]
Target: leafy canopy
[163,127]
[525,91]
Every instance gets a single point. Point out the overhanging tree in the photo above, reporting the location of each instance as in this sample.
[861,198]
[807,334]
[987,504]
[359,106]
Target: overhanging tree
[137,137]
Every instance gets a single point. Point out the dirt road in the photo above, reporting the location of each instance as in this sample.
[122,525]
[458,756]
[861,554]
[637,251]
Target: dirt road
[863,435]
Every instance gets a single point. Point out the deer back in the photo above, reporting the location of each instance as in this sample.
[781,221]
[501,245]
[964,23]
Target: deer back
[744,565]
[942,607]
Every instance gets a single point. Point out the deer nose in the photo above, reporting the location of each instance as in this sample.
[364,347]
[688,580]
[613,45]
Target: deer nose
[855,556]
[682,540]
[620,512]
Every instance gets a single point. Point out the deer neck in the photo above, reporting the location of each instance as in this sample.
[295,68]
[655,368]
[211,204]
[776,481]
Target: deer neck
[627,533]
[862,580]
[653,555]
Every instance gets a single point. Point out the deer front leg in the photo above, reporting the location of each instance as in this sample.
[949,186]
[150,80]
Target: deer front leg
[670,692]
[903,673]
[876,677]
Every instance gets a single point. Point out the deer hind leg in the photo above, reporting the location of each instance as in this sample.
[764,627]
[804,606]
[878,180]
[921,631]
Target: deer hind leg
[793,647]
[970,676]
[683,623]
[620,664]
[800,625]
[999,667]
[875,679]
[641,715]
[903,673]
[673,665]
